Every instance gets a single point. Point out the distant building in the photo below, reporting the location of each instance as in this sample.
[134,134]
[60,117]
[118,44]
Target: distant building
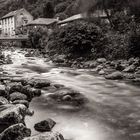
[43,22]
[14,20]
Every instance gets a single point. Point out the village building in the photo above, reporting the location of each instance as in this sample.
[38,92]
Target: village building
[14,20]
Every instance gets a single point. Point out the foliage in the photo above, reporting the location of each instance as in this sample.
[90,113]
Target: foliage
[78,39]
[48,10]
[135,41]
[37,36]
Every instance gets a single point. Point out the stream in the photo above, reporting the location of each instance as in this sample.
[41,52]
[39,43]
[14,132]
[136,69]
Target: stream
[111,113]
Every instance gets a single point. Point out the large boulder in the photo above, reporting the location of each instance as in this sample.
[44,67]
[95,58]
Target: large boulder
[31,92]
[59,59]
[15,132]
[3,101]
[41,83]
[115,76]
[15,87]
[45,125]
[130,69]
[101,60]
[46,136]
[67,96]
[3,92]
[11,114]
[17,96]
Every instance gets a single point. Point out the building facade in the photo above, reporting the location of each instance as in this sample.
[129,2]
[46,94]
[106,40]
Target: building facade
[13,21]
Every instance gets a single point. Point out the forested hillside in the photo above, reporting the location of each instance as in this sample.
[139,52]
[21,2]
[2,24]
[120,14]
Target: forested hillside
[42,8]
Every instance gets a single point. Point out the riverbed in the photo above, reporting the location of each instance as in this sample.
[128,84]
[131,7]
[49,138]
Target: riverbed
[111,113]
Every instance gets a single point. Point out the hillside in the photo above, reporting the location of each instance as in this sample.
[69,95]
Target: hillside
[37,8]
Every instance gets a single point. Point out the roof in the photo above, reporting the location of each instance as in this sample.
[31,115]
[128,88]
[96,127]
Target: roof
[13,13]
[72,18]
[42,21]
[82,16]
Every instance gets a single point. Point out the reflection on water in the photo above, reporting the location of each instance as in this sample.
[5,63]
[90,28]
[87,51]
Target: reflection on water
[102,118]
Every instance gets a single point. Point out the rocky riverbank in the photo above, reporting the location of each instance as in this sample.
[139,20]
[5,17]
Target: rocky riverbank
[16,93]
[113,70]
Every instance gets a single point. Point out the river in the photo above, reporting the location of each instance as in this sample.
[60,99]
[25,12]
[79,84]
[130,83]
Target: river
[111,113]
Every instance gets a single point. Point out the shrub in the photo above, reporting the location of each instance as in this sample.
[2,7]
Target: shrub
[135,41]
[78,39]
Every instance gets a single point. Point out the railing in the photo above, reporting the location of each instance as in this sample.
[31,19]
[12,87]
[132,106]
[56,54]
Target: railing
[16,37]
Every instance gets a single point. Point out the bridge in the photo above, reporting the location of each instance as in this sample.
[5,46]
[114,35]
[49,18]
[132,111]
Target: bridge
[14,38]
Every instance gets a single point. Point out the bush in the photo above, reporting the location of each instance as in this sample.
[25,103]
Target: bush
[78,39]
[37,37]
[135,41]
[118,46]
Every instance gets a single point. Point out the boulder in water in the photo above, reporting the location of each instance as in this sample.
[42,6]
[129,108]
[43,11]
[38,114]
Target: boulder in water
[3,101]
[115,76]
[17,96]
[45,125]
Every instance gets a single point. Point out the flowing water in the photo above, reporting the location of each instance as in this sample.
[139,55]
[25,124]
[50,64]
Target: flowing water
[111,113]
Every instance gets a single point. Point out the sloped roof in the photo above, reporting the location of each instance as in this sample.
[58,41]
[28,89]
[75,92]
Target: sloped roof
[72,18]
[42,21]
[13,13]
[82,16]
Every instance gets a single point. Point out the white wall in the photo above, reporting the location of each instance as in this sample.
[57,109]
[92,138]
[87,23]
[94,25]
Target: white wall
[8,26]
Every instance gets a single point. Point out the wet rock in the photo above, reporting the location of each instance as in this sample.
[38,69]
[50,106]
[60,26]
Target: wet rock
[24,102]
[3,101]
[31,92]
[29,112]
[130,69]
[11,114]
[137,80]
[129,76]
[15,87]
[46,136]
[119,66]
[115,76]
[15,132]
[101,60]
[17,96]
[59,59]
[58,86]
[3,92]
[101,72]
[41,83]
[67,98]
[45,125]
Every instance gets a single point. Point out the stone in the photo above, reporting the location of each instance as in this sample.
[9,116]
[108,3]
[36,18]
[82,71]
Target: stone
[115,76]
[15,132]
[17,96]
[41,83]
[15,87]
[101,72]
[31,92]
[59,59]
[3,101]
[45,125]
[3,91]
[130,69]
[67,98]
[101,60]
[11,114]
[24,102]
[46,136]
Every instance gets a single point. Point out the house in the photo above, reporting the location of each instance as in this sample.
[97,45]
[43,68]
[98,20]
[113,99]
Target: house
[14,20]
[43,22]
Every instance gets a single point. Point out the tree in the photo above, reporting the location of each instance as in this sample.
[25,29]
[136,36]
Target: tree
[48,10]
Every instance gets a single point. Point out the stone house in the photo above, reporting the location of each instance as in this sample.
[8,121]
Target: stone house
[14,20]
